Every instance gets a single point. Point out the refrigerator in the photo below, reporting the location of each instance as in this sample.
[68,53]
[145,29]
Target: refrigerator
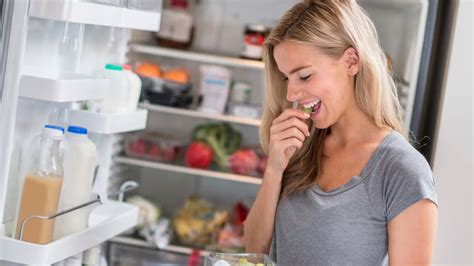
[51,54]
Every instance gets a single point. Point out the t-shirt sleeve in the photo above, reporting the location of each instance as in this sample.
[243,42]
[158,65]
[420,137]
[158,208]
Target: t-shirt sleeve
[408,181]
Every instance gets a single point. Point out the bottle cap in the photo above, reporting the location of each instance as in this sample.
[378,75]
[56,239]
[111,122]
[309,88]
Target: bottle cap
[52,133]
[55,127]
[113,67]
[77,130]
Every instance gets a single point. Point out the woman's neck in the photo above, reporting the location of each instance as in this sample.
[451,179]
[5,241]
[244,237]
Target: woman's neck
[354,127]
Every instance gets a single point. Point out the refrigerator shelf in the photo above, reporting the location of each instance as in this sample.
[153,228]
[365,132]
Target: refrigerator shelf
[109,123]
[199,57]
[95,14]
[62,87]
[142,243]
[107,221]
[193,113]
[188,170]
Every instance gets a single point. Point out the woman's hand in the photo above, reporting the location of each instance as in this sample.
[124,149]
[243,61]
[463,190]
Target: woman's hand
[287,133]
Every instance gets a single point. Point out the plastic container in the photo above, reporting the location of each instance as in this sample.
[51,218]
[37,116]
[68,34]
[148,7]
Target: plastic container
[176,26]
[117,100]
[80,161]
[167,93]
[135,88]
[242,259]
[41,188]
[153,146]
[240,93]
[215,84]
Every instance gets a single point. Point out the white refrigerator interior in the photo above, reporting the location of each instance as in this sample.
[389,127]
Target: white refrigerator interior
[53,53]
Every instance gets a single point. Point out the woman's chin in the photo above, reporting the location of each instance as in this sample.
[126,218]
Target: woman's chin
[320,124]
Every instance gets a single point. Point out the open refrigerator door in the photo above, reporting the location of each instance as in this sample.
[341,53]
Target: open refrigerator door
[53,57]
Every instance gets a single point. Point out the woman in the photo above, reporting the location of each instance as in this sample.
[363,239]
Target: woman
[342,185]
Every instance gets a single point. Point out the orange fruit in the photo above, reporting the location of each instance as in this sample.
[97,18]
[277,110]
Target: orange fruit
[148,69]
[178,75]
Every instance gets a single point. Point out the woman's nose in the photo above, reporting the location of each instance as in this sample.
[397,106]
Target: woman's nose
[293,93]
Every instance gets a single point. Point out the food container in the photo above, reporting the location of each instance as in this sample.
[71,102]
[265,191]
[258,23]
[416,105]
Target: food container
[238,259]
[167,93]
[153,146]
[254,38]
[197,223]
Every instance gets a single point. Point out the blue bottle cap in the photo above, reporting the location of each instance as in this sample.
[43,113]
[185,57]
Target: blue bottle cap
[77,130]
[54,127]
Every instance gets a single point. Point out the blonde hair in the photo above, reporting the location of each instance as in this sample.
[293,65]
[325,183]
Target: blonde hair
[333,26]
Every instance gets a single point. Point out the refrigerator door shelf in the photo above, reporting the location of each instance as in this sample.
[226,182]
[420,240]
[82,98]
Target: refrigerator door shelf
[95,14]
[112,123]
[106,221]
[65,87]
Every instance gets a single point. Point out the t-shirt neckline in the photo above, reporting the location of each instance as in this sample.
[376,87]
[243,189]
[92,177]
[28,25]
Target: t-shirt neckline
[355,180]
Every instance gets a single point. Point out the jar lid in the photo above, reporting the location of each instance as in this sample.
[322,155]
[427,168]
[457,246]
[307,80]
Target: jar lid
[256,28]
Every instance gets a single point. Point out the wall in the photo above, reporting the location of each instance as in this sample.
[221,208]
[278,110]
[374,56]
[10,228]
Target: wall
[453,160]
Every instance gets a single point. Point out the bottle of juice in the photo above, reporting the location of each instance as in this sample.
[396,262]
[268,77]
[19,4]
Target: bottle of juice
[41,189]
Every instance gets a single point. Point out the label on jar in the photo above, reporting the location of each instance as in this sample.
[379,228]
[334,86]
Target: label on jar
[253,44]
[252,51]
[241,92]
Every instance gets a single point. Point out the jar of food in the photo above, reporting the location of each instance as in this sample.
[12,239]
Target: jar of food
[254,37]
[240,92]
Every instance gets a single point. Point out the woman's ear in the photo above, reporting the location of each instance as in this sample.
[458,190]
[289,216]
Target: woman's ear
[351,60]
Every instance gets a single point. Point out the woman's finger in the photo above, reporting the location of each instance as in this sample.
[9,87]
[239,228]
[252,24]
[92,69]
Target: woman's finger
[291,132]
[288,113]
[292,122]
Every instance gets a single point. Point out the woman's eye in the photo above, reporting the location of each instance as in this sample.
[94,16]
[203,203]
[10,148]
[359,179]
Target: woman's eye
[305,78]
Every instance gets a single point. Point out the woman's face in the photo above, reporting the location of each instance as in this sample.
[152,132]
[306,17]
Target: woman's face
[318,81]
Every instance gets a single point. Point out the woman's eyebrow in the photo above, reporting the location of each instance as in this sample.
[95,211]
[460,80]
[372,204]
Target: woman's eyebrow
[299,68]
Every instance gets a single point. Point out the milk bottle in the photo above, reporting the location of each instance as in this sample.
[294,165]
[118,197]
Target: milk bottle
[79,160]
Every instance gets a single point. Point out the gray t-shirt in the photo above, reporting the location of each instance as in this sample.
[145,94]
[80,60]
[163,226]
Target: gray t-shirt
[348,225]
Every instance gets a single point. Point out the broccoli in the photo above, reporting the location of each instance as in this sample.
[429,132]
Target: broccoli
[222,138]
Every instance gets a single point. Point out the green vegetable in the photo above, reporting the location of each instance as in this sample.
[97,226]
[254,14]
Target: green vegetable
[308,110]
[221,137]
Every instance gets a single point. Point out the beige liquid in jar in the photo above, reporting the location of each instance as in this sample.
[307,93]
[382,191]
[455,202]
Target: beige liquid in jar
[40,196]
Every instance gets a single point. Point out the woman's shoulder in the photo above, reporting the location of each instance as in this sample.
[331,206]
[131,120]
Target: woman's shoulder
[400,177]
[398,155]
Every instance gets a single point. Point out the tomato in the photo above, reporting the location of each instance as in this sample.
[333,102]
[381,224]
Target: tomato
[198,155]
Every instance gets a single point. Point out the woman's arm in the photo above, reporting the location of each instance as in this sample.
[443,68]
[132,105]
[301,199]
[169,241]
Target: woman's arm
[258,229]
[411,235]
[287,134]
